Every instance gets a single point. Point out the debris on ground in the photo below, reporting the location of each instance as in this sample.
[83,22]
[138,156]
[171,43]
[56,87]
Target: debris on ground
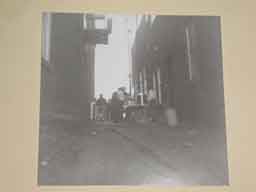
[188,144]
[93,133]
[44,163]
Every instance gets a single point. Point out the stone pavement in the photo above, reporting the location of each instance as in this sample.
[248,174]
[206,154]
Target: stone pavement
[79,153]
[197,154]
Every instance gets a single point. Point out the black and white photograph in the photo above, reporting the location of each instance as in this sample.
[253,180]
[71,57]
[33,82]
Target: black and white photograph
[131,99]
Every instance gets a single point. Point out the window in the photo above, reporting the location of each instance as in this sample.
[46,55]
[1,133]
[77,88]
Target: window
[189,60]
[141,82]
[152,19]
[145,80]
[46,36]
[192,52]
[146,18]
[154,81]
[158,73]
[138,20]
[85,22]
[96,21]
[100,24]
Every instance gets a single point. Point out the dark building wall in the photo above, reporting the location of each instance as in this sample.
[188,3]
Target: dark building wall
[64,82]
[195,90]
[89,59]
[208,57]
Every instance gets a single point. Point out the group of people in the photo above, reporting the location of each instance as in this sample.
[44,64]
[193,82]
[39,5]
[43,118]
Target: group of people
[113,109]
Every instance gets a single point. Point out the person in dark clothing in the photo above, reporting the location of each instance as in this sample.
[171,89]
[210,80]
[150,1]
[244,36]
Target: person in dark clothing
[101,100]
[116,107]
[152,105]
[101,108]
[108,110]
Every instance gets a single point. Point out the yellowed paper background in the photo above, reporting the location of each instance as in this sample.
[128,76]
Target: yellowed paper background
[20,43]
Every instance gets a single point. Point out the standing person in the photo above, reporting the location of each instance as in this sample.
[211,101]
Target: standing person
[152,104]
[108,110]
[101,100]
[115,108]
[122,98]
[92,109]
[126,108]
[121,94]
[101,107]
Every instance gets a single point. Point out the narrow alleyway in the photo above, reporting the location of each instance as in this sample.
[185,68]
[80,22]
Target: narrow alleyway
[164,68]
[103,153]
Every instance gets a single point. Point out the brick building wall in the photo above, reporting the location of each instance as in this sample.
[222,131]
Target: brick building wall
[187,52]
[65,80]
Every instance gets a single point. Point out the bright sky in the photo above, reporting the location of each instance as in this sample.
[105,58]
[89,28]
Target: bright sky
[112,60]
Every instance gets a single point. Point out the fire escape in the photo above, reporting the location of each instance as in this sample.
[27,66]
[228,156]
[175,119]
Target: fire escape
[96,31]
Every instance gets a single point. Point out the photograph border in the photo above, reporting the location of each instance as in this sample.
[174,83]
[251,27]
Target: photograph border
[20,49]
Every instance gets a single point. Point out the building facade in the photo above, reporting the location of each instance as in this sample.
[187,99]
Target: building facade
[180,58]
[67,72]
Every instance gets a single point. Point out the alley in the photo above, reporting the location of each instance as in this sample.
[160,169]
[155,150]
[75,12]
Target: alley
[159,76]
[74,153]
